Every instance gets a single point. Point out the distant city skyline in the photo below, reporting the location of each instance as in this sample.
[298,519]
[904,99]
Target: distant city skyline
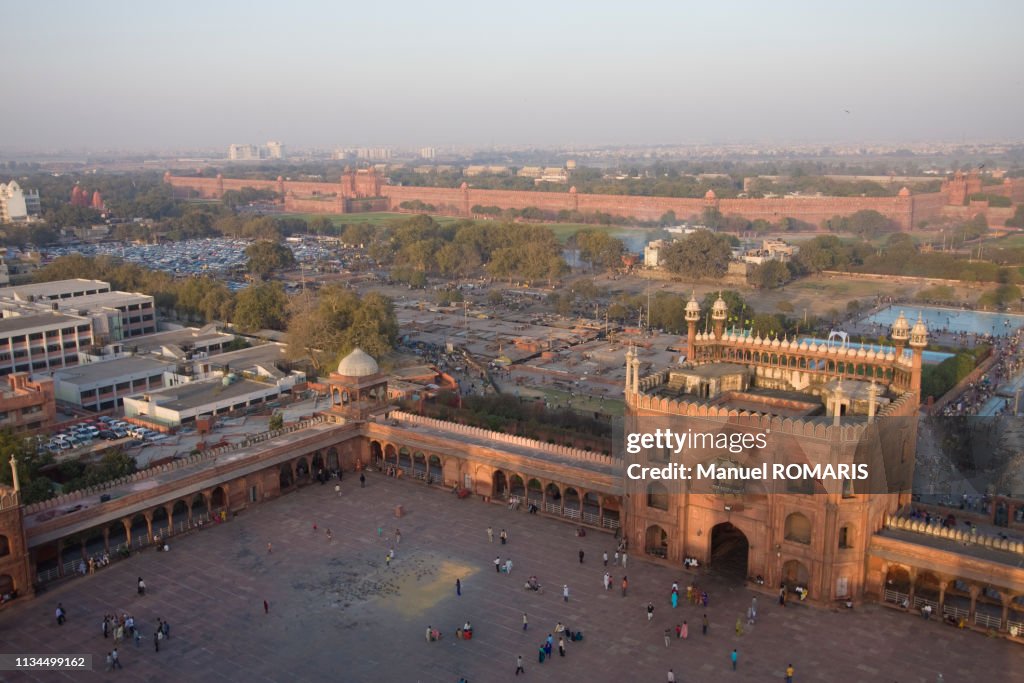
[125,76]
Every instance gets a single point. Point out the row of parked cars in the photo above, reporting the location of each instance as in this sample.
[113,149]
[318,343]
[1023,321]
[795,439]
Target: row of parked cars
[107,428]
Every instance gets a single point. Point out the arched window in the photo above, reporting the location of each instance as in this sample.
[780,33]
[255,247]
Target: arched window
[798,528]
[5,546]
[657,496]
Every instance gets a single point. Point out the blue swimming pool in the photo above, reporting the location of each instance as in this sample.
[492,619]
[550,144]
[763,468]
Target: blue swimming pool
[929,357]
[951,319]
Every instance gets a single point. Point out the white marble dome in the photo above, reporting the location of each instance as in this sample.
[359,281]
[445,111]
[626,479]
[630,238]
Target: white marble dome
[358,364]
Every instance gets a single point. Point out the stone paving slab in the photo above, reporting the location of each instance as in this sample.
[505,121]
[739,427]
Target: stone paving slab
[340,613]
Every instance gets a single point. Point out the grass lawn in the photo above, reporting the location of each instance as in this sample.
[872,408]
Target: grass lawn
[563,231]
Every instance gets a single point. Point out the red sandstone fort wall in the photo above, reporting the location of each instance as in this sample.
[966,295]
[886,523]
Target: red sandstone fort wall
[905,211]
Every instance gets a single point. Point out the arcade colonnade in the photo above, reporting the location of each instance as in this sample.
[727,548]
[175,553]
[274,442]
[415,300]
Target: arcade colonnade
[513,485]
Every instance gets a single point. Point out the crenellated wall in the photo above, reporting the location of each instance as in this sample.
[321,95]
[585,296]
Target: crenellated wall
[904,209]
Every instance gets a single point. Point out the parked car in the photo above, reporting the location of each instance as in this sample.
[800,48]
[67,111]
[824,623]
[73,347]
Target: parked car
[106,419]
[108,435]
[119,433]
[155,436]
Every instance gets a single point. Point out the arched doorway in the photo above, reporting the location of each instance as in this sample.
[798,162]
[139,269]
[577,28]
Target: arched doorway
[404,458]
[534,492]
[333,464]
[318,463]
[795,573]
[376,452]
[218,499]
[571,503]
[160,522]
[499,485]
[199,510]
[516,487]
[436,472]
[729,551]
[419,465]
[552,499]
[656,541]
[6,584]
[285,477]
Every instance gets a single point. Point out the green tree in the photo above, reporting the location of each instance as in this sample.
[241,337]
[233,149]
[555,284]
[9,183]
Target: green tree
[262,306]
[265,257]
[599,248]
[326,326]
[702,254]
[769,275]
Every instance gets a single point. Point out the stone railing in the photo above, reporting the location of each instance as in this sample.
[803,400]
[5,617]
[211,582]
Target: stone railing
[512,439]
[209,454]
[957,535]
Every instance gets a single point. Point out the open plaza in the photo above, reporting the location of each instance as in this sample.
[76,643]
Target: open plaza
[338,611]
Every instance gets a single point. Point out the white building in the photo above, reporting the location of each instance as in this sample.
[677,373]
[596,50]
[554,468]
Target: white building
[103,386]
[16,205]
[652,253]
[243,153]
[174,406]
[275,150]
[428,153]
[47,326]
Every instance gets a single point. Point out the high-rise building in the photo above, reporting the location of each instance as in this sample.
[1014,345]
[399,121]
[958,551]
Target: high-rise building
[243,152]
[374,153]
[16,204]
[275,150]
[428,153]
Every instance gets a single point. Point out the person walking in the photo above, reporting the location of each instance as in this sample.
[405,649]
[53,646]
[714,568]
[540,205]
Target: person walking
[508,566]
[561,646]
[266,607]
[668,636]
[734,658]
[671,678]
[519,665]
[616,557]
[650,612]
[387,559]
[625,585]
[116,659]
[142,586]
[398,537]
[106,625]
[604,557]
[675,599]
[704,626]
[362,480]
[458,587]
[270,549]
[490,535]
[565,592]
[581,557]
[607,580]
[685,633]
[624,558]
[156,640]
[503,536]
[110,662]
[525,622]
[497,565]
[59,613]
[789,673]
[166,629]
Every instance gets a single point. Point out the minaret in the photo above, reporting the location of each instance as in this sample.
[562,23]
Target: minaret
[14,473]
[872,401]
[630,355]
[918,340]
[692,317]
[837,403]
[900,334]
[636,372]
[719,312]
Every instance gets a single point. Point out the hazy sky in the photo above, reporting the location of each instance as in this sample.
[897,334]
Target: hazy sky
[113,74]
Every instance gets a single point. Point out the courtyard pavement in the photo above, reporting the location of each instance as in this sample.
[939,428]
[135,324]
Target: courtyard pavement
[339,613]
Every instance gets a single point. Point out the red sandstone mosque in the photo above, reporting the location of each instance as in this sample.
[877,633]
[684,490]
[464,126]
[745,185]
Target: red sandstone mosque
[822,402]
